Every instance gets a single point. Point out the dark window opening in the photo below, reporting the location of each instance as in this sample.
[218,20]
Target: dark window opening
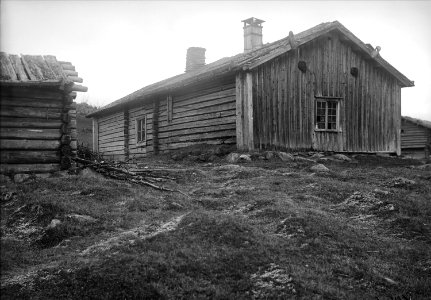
[326,115]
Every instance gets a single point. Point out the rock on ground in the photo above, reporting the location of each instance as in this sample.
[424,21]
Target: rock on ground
[245,157]
[18,178]
[232,157]
[319,168]
[285,156]
[341,157]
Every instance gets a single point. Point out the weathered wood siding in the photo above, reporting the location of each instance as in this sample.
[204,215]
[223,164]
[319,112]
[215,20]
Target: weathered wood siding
[284,100]
[37,130]
[111,135]
[200,114]
[414,136]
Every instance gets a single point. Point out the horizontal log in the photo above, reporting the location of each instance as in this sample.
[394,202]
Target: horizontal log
[200,136]
[27,112]
[28,168]
[31,102]
[189,131]
[29,123]
[30,134]
[25,157]
[68,67]
[75,79]
[70,73]
[110,144]
[164,126]
[29,144]
[34,93]
[77,88]
[205,110]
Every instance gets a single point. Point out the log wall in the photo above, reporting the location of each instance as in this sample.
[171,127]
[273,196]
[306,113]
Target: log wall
[284,100]
[37,130]
[415,138]
[199,114]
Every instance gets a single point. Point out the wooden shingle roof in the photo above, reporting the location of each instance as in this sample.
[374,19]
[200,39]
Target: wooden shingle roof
[38,70]
[251,60]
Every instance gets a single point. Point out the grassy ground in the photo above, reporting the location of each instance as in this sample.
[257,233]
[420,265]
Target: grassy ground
[265,229]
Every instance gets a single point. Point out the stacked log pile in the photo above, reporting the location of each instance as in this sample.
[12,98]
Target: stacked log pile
[38,114]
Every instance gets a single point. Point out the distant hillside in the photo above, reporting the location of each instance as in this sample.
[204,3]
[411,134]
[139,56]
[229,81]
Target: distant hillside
[84,125]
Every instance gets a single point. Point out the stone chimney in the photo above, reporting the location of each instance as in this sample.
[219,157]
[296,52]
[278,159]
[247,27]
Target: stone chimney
[252,34]
[195,58]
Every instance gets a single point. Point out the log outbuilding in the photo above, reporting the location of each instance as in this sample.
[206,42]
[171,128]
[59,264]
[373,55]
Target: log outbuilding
[38,113]
[322,89]
[415,137]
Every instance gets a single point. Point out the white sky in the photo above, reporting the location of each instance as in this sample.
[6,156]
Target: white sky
[118,47]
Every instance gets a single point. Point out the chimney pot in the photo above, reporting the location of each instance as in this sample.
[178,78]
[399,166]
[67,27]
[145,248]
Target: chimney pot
[195,58]
[252,34]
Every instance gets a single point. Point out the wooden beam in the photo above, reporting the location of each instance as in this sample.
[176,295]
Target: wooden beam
[75,79]
[28,168]
[23,156]
[248,105]
[95,135]
[29,123]
[29,144]
[77,88]
[30,134]
[239,111]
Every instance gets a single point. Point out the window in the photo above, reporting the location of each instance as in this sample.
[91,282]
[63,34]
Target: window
[327,114]
[141,130]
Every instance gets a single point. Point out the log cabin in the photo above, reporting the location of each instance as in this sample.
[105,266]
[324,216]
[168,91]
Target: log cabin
[415,138]
[38,113]
[322,89]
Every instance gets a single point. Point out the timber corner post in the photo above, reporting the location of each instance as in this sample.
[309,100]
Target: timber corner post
[244,111]
[69,143]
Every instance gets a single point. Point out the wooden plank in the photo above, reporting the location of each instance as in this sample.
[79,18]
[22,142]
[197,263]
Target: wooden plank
[26,112]
[31,92]
[29,144]
[200,123]
[55,66]
[6,122]
[30,134]
[204,97]
[206,110]
[239,111]
[95,135]
[28,168]
[189,131]
[29,102]
[18,67]
[200,137]
[248,104]
[11,156]
[7,71]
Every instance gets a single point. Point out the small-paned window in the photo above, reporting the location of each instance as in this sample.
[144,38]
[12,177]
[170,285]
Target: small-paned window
[326,114]
[141,130]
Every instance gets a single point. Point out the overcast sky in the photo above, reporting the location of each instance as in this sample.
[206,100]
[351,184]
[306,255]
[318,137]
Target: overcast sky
[118,47]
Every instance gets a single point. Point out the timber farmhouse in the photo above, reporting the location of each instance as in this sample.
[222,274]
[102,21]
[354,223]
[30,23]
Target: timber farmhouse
[38,115]
[322,89]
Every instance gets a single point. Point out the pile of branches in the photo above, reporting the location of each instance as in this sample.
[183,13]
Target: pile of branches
[114,170]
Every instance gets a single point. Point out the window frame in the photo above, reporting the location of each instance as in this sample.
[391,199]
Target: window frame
[142,142]
[325,100]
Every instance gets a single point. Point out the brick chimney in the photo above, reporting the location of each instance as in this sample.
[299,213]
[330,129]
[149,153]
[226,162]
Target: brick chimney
[195,58]
[252,34]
